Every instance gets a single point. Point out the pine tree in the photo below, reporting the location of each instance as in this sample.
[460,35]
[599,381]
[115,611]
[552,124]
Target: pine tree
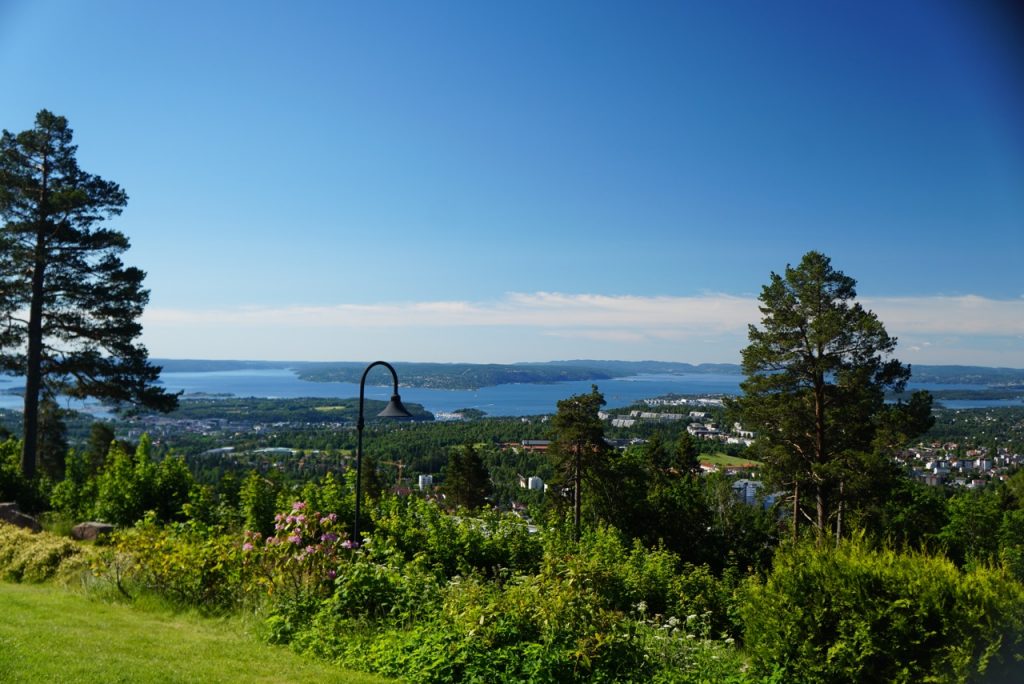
[59,264]
[579,447]
[466,480]
[817,372]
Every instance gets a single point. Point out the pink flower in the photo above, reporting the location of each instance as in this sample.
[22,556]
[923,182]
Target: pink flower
[273,540]
[300,519]
[347,544]
[298,505]
[310,549]
[328,537]
[331,574]
[247,546]
[295,539]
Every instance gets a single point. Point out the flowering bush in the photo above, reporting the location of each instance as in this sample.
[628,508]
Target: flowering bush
[301,558]
[296,565]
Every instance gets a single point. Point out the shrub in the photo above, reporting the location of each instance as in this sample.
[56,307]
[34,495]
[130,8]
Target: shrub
[37,557]
[853,615]
[488,541]
[186,563]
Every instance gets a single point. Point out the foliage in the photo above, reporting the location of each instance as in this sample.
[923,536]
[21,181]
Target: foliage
[37,557]
[75,495]
[817,372]
[132,484]
[189,565]
[80,335]
[14,486]
[578,447]
[257,499]
[467,483]
[489,543]
[852,614]
[302,556]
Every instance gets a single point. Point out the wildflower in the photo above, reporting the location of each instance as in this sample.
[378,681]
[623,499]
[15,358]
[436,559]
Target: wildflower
[331,574]
[247,546]
[298,505]
[347,544]
[273,541]
[310,550]
[295,539]
[328,537]
[300,519]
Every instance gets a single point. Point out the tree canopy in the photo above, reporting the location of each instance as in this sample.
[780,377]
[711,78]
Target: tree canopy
[70,306]
[578,445]
[817,371]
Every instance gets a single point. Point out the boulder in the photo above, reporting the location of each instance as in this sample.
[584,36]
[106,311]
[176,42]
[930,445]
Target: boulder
[91,530]
[9,512]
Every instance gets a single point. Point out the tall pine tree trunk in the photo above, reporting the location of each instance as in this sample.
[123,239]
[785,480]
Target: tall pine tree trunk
[576,495]
[33,371]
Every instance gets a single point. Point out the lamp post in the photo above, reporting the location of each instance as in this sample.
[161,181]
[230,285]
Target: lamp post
[394,409]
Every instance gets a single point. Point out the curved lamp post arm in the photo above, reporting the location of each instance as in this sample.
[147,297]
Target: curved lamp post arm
[393,410]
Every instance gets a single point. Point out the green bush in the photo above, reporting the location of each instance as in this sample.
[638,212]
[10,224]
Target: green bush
[488,542]
[38,557]
[853,614]
[190,565]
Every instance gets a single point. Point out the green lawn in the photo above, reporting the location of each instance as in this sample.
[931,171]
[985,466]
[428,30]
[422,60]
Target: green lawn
[54,636]
[727,461]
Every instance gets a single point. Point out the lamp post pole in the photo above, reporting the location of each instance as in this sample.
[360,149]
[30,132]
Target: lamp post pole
[394,409]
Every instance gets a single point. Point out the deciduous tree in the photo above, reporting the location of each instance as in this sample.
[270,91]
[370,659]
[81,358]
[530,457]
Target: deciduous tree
[70,307]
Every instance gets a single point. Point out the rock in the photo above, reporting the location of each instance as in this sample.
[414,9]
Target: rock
[91,530]
[9,512]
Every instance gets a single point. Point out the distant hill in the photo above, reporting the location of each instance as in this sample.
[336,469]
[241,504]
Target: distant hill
[214,365]
[475,375]
[969,375]
[452,375]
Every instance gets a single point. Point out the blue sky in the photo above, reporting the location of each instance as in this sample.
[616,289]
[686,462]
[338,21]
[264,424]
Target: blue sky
[467,181]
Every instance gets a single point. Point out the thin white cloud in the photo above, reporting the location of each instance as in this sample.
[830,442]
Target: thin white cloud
[967,315]
[541,309]
[546,325]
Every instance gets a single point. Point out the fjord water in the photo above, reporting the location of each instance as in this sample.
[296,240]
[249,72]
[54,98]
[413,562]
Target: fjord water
[502,400]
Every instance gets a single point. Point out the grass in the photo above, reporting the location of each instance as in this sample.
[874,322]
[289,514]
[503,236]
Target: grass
[52,635]
[727,461]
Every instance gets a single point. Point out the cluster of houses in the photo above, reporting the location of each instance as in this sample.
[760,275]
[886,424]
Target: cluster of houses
[948,464]
[699,426]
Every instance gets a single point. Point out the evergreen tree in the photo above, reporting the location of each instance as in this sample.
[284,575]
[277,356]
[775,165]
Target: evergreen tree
[52,447]
[579,448]
[817,372]
[59,264]
[466,480]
